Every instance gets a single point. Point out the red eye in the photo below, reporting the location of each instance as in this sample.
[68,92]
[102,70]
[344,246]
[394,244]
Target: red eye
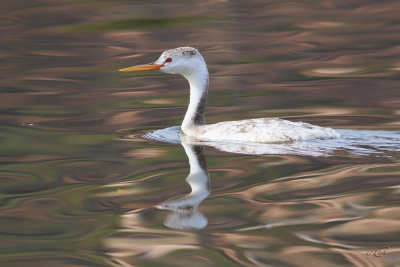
[168,59]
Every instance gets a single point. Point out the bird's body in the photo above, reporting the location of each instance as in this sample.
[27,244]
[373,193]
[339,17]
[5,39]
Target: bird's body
[189,63]
[263,130]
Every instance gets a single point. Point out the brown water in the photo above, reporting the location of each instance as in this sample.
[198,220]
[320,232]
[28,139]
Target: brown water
[75,191]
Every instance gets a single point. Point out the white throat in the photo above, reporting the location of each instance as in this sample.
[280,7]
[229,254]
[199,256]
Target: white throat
[198,81]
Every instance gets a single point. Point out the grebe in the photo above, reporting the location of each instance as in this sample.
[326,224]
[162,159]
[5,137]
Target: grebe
[188,62]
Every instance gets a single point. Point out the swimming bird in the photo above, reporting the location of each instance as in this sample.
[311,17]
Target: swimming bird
[188,62]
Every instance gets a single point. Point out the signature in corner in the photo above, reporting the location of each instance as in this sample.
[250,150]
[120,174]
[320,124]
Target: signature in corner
[379,252]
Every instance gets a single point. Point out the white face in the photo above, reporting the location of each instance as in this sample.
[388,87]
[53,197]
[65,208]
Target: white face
[180,64]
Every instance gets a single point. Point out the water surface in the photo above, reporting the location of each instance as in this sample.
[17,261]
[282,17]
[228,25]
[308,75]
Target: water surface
[81,187]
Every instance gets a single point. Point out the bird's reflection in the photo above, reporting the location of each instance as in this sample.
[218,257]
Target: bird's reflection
[182,212]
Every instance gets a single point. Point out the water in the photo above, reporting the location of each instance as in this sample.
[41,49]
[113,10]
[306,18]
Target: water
[81,187]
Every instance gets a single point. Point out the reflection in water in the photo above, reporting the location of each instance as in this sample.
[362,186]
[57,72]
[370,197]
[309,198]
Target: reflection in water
[183,213]
[310,216]
[141,242]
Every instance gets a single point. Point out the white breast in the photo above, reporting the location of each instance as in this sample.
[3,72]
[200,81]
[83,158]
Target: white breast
[260,131]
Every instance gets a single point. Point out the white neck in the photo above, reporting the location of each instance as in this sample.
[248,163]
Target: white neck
[198,81]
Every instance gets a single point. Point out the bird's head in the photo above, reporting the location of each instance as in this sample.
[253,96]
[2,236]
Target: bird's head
[182,60]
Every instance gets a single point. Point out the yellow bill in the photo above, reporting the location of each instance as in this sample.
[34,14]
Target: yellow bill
[143,67]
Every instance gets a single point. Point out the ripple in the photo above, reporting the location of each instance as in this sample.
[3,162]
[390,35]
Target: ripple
[335,71]
[18,182]
[37,218]
[136,240]
[54,257]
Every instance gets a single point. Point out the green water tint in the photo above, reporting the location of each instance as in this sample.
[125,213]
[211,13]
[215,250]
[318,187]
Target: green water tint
[143,24]
[28,140]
